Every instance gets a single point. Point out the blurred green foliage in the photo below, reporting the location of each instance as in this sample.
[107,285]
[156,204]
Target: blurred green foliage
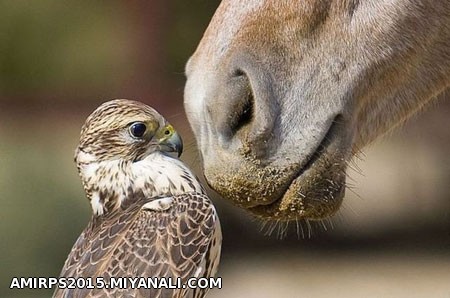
[58,46]
[186,29]
[51,44]
[41,209]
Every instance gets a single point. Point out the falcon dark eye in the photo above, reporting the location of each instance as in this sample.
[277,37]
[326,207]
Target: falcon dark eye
[138,129]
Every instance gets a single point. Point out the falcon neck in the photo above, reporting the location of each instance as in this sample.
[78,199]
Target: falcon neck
[109,184]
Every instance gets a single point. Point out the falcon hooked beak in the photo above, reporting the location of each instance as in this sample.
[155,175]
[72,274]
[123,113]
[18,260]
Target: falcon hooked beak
[170,141]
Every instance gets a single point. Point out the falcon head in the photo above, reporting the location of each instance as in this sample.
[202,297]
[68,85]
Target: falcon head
[127,130]
[123,150]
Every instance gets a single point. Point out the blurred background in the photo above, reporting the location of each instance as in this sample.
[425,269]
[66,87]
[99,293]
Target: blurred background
[59,60]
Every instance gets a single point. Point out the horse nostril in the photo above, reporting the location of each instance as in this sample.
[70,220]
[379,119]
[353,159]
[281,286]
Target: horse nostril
[240,109]
[238,72]
[240,101]
[244,113]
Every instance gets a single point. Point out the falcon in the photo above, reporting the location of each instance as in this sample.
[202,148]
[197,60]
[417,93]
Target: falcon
[151,216]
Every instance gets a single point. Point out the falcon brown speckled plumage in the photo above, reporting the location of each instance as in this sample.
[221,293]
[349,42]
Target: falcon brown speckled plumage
[151,216]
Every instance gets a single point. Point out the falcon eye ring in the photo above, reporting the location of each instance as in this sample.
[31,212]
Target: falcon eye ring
[138,129]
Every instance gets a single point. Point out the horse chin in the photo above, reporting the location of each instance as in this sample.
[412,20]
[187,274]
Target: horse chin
[314,195]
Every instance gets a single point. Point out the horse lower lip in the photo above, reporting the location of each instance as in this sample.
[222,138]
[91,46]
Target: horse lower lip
[317,154]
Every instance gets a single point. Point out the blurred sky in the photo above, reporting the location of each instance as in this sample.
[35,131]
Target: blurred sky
[59,60]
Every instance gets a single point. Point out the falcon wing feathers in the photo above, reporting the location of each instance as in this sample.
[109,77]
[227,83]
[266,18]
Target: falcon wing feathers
[137,242]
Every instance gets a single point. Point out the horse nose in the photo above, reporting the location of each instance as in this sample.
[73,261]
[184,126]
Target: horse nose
[244,110]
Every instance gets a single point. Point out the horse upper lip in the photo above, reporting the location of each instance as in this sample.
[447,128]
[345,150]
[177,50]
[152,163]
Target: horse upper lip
[321,148]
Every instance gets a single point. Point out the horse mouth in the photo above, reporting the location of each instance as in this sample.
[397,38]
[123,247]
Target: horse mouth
[311,190]
[316,190]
